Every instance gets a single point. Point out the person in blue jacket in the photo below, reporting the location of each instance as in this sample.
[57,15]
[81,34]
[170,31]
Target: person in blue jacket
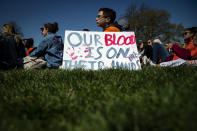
[51,46]
[158,51]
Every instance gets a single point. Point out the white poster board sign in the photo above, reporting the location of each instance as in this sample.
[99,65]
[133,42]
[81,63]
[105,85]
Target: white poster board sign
[100,50]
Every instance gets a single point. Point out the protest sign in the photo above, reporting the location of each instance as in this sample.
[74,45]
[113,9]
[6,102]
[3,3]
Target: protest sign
[100,50]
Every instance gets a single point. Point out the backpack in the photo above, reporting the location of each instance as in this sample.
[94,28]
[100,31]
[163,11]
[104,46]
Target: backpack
[58,40]
[8,53]
[122,24]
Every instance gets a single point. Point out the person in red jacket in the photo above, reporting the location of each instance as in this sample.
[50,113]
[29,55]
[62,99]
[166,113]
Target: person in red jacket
[190,51]
[105,20]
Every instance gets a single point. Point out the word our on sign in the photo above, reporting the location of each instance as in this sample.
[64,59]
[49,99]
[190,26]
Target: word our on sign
[100,50]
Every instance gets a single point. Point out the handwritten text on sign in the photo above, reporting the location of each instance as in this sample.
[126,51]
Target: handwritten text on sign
[98,50]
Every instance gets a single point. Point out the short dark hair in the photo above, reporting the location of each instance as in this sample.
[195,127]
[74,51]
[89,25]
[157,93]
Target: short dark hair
[30,42]
[194,30]
[189,29]
[107,12]
[86,29]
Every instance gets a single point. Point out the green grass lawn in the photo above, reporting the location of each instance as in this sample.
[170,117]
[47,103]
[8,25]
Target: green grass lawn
[152,99]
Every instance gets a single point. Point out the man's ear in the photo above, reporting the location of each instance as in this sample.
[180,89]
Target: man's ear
[108,19]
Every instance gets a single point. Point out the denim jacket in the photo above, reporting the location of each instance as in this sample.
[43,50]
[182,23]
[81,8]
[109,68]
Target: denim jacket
[51,48]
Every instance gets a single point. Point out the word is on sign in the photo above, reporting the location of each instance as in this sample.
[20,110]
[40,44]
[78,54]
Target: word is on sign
[100,50]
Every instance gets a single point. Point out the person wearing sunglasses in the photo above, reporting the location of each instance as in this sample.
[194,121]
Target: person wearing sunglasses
[105,20]
[188,35]
[190,50]
[51,47]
